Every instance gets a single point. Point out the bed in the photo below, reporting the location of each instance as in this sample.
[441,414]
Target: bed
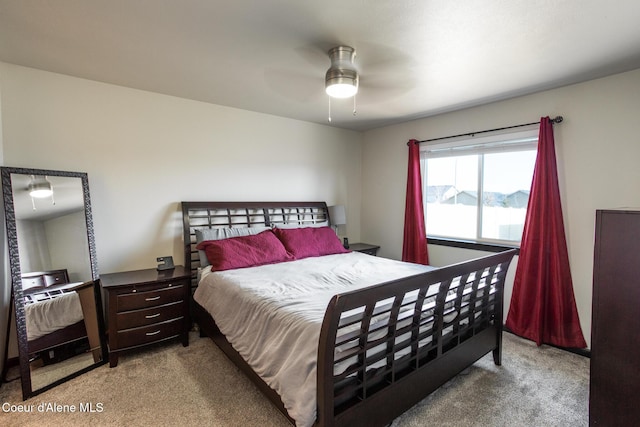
[375,337]
[58,312]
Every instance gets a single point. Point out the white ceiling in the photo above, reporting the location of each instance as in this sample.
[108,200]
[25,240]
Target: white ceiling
[416,58]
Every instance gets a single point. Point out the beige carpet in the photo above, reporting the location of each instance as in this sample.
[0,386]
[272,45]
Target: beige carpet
[171,385]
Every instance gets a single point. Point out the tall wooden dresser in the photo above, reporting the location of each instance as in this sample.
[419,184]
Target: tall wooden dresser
[614,398]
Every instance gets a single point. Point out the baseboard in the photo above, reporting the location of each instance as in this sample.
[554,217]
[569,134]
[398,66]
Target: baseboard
[585,352]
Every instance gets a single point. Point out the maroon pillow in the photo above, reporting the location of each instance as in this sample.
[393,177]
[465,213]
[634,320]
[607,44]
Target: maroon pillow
[244,251]
[310,241]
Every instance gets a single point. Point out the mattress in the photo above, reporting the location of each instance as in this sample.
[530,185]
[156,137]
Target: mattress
[272,315]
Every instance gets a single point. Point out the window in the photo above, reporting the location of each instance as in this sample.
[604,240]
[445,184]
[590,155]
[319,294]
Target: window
[478,188]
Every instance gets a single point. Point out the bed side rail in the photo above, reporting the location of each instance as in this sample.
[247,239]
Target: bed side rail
[373,338]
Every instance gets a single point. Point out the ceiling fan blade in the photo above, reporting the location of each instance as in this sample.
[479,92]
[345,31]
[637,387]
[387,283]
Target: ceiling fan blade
[374,58]
[315,55]
[383,88]
[299,87]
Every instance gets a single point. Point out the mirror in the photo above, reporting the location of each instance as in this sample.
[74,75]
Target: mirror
[55,292]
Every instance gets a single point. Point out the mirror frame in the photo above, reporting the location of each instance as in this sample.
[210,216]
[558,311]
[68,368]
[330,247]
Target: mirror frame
[16,279]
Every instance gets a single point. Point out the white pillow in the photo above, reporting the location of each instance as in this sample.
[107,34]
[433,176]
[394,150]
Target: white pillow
[204,234]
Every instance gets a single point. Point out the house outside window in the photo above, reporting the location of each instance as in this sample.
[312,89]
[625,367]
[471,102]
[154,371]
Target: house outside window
[477,188]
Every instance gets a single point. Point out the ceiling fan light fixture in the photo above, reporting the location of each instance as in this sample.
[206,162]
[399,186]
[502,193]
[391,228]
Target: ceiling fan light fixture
[341,83]
[341,79]
[40,187]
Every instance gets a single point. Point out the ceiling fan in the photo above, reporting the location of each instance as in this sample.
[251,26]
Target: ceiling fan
[45,196]
[379,74]
[341,79]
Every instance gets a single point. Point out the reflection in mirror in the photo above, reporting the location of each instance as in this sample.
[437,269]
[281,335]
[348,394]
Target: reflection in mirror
[53,268]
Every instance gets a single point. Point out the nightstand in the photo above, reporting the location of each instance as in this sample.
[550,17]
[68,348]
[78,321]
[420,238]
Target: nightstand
[143,307]
[365,248]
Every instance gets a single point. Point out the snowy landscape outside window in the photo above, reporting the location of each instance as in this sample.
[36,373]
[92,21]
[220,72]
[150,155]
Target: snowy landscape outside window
[478,188]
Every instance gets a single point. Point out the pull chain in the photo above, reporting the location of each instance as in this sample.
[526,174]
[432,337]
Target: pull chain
[354,108]
[53,200]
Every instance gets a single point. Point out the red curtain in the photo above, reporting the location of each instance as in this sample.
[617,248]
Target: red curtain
[543,307]
[414,246]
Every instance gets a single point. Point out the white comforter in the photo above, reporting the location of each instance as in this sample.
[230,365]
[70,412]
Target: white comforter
[272,315]
[44,317]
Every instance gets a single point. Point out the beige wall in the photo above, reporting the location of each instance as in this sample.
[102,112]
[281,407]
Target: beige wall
[145,152]
[597,149]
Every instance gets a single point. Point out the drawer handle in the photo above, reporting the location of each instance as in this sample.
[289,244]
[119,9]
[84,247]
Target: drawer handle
[151,316]
[152,298]
[150,334]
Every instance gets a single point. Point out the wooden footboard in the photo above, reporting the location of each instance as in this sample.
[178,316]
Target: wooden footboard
[57,338]
[382,349]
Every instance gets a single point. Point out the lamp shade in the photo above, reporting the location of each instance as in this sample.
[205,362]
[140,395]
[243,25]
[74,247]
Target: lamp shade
[338,215]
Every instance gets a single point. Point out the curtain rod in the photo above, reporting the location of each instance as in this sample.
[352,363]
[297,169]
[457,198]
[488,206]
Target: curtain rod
[557,119]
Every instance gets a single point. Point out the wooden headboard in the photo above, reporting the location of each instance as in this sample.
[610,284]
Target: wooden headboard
[201,215]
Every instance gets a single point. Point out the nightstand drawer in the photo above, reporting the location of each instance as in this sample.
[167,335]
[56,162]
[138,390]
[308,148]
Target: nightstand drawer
[55,278]
[151,333]
[147,316]
[136,300]
[32,282]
